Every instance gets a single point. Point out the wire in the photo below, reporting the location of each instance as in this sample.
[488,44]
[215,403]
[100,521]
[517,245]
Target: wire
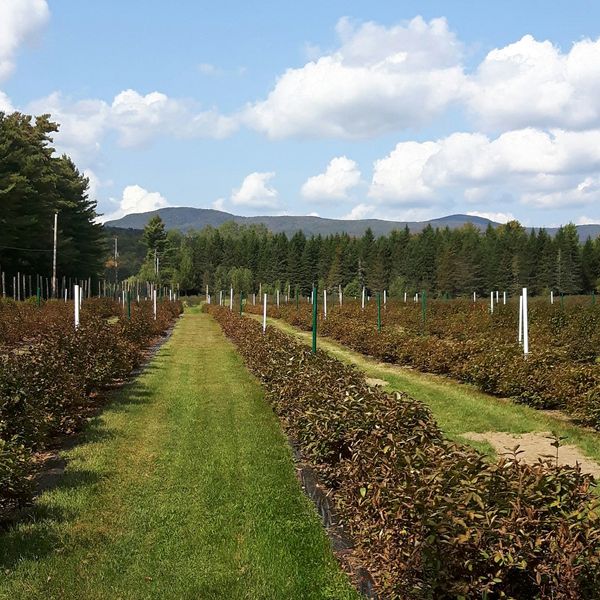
[24,249]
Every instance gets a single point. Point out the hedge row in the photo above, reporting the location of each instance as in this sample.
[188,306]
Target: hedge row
[430,519]
[48,383]
[549,378]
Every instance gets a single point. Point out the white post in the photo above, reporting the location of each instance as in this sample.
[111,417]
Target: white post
[503,297]
[363,297]
[76,303]
[404,297]
[265,313]
[80,296]
[231,299]
[154,302]
[277,294]
[312,293]
[492,303]
[65,294]
[551,297]
[54,257]
[525,328]
[207,294]
[340,293]
[520,319]
[254,299]
[221,298]
[325,304]
[474,296]
[384,298]
[496,296]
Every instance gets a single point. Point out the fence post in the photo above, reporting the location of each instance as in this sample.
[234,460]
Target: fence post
[525,328]
[314,319]
[265,314]
[76,305]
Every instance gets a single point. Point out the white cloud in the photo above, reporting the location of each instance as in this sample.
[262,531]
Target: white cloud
[135,199]
[255,192]
[341,175]
[554,168]
[20,22]
[136,119]
[5,103]
[399,176]
[219,204]
[94,183]
[360,211]
[498,217]
[379,79]
[207,69]
[533,83]
[583,220]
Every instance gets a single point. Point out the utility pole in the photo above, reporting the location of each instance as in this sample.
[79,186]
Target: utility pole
[54,257]
[116,263]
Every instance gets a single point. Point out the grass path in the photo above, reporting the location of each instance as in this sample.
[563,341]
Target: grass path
[183,488]
[457,407]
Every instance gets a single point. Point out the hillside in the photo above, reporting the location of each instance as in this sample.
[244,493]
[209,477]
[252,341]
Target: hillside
[184,218]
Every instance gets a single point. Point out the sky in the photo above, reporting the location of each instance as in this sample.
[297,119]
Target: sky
[404,110]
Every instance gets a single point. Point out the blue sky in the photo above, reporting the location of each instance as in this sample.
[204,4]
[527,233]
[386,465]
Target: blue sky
[393,110]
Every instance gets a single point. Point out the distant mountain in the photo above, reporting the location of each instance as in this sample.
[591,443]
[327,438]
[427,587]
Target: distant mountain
[197,218]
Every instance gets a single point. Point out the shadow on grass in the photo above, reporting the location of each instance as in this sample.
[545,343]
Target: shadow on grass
[38,530]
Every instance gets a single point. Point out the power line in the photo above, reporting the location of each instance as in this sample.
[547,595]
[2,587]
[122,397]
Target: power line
[24,249]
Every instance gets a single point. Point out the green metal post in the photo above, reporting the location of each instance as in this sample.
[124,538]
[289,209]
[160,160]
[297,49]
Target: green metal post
[378,311]
[129,305]
[39,296]
[314,320]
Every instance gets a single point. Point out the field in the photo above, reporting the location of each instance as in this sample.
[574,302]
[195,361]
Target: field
[181,483]
[462,340]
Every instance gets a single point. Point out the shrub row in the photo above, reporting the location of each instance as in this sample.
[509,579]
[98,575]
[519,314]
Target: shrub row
[48,383]
[430,519]
[549,378]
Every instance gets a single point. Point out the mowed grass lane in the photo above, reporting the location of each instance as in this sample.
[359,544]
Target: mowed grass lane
[183,488]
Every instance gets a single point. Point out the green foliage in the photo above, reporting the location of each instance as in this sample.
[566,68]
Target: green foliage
[430,519]
[34,184]
[442,261]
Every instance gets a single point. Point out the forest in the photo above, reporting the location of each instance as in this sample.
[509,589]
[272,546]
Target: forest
[442,261]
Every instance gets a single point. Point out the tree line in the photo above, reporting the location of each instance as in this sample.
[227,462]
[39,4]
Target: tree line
[453,262]
[36,183]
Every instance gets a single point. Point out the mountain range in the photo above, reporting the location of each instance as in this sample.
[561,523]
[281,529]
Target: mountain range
[185,219]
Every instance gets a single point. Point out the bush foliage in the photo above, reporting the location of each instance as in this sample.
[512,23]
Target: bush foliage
[462,340]
[430,519]
[50,374]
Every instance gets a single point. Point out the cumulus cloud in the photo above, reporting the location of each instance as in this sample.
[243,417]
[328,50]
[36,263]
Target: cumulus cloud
[379,79]
[5,103]
[135,199]
[20,22]
[219,204]
[136,119]
[534,83]
[255,192]
[541,168]
[341,175]
[360,211]
[498,217]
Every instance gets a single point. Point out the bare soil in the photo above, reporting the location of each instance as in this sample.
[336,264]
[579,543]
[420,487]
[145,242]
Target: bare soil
[536,445]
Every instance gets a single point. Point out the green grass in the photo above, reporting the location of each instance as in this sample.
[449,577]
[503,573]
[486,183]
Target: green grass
[457,407]
[183,488]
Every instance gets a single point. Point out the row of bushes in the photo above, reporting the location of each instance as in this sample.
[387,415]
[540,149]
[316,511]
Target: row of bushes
[48,383]
[430,519]
[549,378]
